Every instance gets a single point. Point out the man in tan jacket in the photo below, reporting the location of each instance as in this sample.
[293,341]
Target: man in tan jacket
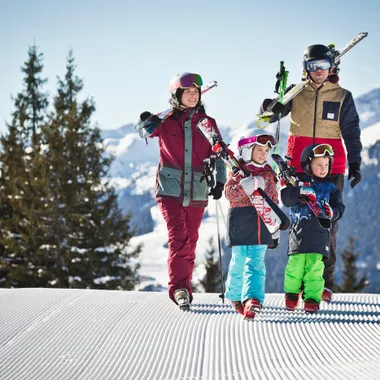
[325,113]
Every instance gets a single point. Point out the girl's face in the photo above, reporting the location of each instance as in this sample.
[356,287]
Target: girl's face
[260,153]
[190,97]
[320,166]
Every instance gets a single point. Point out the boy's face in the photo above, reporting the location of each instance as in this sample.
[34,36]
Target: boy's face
[320,166]
[260,153]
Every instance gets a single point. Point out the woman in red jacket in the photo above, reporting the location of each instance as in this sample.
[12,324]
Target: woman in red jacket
[181,196]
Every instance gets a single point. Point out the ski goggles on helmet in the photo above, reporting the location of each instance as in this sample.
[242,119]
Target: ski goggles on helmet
[320,64]
[262,140]
[323,150]
[186,80]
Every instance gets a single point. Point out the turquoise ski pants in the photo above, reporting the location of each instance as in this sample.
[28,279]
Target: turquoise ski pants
[307,268]
[246,273]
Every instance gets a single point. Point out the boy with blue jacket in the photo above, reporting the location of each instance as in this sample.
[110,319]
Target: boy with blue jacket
[309,242]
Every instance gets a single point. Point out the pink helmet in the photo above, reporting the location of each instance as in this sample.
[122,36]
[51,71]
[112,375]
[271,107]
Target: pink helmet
[181,82]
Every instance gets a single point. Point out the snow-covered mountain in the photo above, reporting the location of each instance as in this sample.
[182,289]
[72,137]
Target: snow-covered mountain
[368,107]
[133,175]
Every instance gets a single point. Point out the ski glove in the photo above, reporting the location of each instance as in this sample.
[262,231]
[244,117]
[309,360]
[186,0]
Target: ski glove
[148,116]
[328,210]
[147,124]
[354,173]
[217,191]
[276,240]
[307,194]
[273,105]
[250,184]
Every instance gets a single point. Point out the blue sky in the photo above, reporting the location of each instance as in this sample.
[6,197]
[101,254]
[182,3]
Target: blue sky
[127,51]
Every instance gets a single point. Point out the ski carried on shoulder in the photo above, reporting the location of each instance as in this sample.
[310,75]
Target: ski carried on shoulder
[205,88]
[270,213]
[288,174]
[337,55]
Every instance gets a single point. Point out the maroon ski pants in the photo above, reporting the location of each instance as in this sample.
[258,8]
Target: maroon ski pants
[183,224]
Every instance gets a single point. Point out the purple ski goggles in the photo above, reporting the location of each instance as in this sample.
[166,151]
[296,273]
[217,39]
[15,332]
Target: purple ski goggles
[262,140]
[186,80]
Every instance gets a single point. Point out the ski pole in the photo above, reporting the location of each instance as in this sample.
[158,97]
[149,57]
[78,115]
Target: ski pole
[209,174]
[219,249]
[280,87]
[282,79]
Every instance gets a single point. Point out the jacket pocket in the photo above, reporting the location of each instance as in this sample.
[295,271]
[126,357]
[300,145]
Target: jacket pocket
[330,111]
[199,188]
[169,182]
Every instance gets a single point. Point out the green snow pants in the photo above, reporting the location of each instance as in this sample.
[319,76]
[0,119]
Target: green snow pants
[307,268]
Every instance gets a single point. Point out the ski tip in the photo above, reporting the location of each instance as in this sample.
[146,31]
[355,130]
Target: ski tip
[184,307]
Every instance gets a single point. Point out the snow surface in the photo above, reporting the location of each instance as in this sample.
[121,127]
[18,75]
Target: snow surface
[98,334]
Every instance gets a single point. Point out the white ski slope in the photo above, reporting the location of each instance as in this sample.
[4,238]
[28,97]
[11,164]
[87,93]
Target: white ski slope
[99,334]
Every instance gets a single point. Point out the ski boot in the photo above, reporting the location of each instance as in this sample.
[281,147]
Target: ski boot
[311,306]
[327,295]
[291,301]
[251,307]
[182,298]
[238,307]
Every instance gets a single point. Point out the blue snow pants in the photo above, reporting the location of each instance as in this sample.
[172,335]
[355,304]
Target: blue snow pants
[246,273]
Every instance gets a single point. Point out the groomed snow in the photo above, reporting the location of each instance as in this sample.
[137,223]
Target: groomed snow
[96,334]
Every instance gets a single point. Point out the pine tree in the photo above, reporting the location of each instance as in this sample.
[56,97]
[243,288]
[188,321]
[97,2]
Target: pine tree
[21,192]
[351,283]
[88,235]
[212,281]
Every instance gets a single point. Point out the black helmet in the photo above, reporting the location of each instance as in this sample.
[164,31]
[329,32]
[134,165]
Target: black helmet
[314,52]
[316,150]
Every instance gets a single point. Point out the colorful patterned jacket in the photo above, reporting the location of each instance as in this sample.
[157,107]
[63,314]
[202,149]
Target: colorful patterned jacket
[245,226]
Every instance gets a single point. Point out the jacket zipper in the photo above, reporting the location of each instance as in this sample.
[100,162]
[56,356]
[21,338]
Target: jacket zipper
[315,114]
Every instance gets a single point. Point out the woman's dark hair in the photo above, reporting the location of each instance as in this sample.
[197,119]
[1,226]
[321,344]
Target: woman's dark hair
[180,92]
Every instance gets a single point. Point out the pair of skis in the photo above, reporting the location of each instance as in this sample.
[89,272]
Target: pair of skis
[270,213]
[289,175]
[337,55]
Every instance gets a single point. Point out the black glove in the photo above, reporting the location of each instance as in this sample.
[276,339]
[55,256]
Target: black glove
[276,240]
[217,191]
[354,173]
[148,116]
[265,106]
[275,244]
[272,105]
